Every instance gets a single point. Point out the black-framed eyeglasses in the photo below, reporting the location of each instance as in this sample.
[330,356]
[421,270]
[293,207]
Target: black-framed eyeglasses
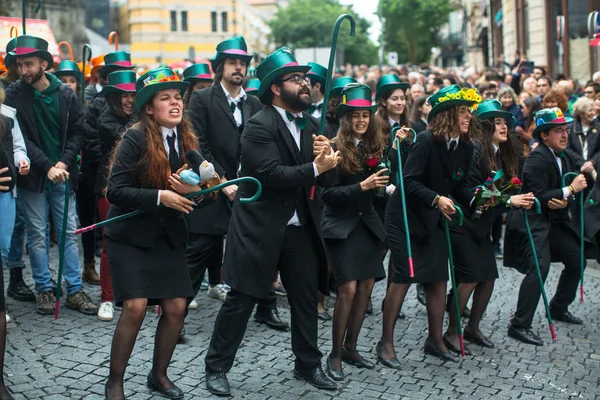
[489,95]
[298,79]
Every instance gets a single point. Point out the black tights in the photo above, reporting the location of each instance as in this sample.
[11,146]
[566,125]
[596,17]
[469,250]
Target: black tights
[167,333]
[348,316]
[4,394]
[482,292]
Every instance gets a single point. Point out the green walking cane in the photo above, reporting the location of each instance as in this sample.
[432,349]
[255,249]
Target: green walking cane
[24,11]
[538,210]
[581,235]
[85,57]
[61,249]
[461,215]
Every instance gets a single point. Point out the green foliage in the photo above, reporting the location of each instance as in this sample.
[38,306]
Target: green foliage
[309,23]
[411,27]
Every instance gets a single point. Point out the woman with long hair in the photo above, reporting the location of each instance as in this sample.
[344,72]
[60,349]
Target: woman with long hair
[335,98]
[435,170]
[68,72]
[146,253]
[199,77]
[115,119]
[531,105]
[472,247]
[418,116]
[353,232]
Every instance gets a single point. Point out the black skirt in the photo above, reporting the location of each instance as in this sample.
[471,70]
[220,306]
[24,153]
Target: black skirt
[2,299]
[430,257]
[474,259]
[155,273]
[357,257]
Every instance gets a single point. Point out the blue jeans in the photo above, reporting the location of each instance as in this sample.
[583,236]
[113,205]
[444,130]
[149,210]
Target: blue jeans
[12,256]
[7,221]
[35,207]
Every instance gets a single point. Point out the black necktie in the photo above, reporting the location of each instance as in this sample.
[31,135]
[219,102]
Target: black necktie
[173,156]
[396,124]
[452,149]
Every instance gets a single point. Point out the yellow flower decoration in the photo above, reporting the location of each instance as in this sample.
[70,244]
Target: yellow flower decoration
[463,94]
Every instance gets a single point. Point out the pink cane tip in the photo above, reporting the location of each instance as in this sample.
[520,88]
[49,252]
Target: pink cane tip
[581,294]
[411,268]
[312,192]
[552,332]
[462,345]
[56,306]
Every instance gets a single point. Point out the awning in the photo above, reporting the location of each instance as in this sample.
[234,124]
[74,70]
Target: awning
[35,27]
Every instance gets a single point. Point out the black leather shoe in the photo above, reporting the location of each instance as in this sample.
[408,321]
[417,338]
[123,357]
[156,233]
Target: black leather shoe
[217,383]
[370,308]
[434,351]
[455,349]
[485,342]
[333,374]
[324,316]
[565,316]
[421,294]
[170,393]
[390,363]
[524,335]
[17,289]
[271,318]
[316,377]
[358,362]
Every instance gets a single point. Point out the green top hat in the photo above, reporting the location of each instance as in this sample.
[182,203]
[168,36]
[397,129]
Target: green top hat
[355,96]
[338,84]
[490,109]
[317,72]
[234,47]
[116,61]
[275,65]
[387,84]
[252,86]
[548,118]
[10,46]
[120,82]
[154,81]
[451,96]
[68,68]
[197,73]
[32,46]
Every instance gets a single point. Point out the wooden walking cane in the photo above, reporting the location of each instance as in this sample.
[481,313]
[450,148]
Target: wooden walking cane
[68,46]
[461,216]
[24,10]
[86,55]
[538,210]
[14,32]
[61,249]
[113,38]
[334,39]
[581,235]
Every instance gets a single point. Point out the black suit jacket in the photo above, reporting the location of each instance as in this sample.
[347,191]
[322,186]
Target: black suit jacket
[257,230]
[127,192]
[574,149]
[7,153]
[219,139]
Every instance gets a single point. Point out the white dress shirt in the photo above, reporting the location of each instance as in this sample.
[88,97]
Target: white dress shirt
[237,114]
[317,114]
[167,132]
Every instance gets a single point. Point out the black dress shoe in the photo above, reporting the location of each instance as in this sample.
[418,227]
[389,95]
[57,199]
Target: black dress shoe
[370,308]
[565,316]
[524,335]
[324,316]
[358,362]
[485,342]
[316,377]
[17,289]
[434,351]
[170,393]
[421,294]
[217,383]
[271,318]
[333,374]
[455,349]
[390,363]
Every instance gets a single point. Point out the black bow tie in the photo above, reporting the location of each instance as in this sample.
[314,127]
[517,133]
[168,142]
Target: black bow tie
[559,154]
[311,110]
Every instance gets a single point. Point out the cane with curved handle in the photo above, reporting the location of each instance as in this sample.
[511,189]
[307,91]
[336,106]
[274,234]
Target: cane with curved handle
[400,181]
[581,235]
[460,217]
[113,38]
[68,46]
[395,129]
[24,11]
[14,32]
[86,56]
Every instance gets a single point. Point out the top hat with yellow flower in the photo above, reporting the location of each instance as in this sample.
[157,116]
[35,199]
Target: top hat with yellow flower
[452,96]
[154,81]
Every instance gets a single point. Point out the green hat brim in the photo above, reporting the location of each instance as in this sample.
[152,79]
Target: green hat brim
[265,84]
[446,105]
[44,55]
[390,87]
[221,56]
[76,74]
[343,108]
[150,90]
[506,115]
[545,127]
[107,69]
[193,80]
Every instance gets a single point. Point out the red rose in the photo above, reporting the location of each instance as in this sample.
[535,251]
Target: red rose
[516,181]
[373,162]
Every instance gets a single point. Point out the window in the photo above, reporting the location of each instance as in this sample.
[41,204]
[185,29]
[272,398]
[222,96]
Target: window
[184,25]
[173,21]
[224,21]
[214,21]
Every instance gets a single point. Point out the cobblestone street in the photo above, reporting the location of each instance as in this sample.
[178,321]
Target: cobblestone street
[68,358]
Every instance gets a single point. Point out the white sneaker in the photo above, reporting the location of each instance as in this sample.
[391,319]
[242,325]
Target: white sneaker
[8,318]
[193,305]
[218,292]
[106,311]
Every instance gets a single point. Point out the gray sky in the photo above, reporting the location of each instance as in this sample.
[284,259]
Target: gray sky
[367,10]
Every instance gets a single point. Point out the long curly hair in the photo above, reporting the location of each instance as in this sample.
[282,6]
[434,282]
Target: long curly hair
[353,158]
[334,101]
[446,120]
[509,150]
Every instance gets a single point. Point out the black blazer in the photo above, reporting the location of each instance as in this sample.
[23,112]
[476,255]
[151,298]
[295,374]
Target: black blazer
[592,213]
[574,149]
[127,192]
[430,172]
[257,230]
[219,139]
[6,152]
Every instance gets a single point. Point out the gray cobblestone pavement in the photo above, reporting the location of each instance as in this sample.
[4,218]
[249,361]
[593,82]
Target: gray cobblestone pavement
[68,358]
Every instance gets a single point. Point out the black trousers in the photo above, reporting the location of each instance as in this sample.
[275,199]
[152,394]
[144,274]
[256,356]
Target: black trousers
[299,269]
[206,252]
[564,247]
[87,203]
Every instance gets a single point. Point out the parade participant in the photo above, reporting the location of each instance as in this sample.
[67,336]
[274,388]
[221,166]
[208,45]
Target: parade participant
[354,234]
[68,72]
[251,86]
[116,118]
[472,248]
[420,111]
[147,253]
[435,169]
[97,83]
[51,119]
[281,231]
[199,77]
[318,77]
[12,72]
[556,238]
[335,98]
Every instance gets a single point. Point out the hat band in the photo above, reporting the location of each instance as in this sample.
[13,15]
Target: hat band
[202,76]
[359,103]
[128,87]
[292,64]
[25,50]
[235,51]
[540,121]
[122,63]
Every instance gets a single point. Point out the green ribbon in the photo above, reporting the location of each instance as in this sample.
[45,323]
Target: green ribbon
[299,121]
[234,105]
[40,96]
[314,107]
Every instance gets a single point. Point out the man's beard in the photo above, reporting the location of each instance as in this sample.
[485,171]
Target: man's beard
[236,79]
[294,100]
[36,78]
